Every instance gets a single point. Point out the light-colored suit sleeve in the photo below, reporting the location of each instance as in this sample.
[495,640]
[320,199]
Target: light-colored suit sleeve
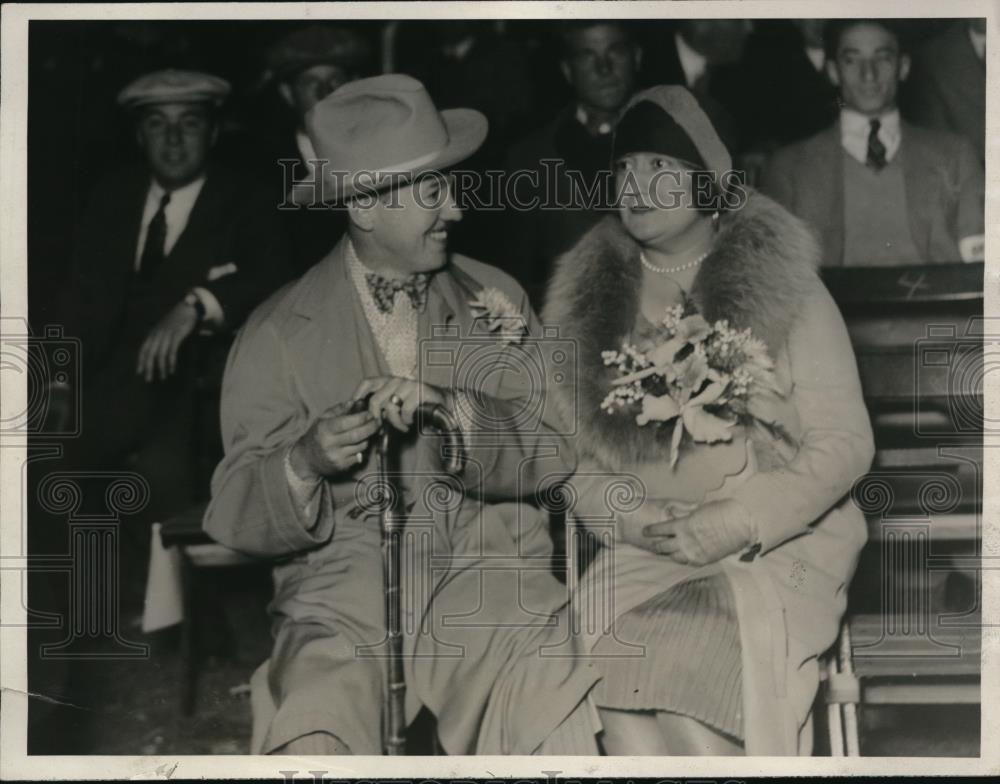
[517,436]
[253,507]
[836,446]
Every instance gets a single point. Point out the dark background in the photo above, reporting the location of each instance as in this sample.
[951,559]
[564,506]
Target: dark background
[77,133]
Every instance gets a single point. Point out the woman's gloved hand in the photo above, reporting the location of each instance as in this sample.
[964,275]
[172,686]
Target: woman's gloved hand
[702,536]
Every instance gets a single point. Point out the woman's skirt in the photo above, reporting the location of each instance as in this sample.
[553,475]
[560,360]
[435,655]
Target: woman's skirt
[692,662]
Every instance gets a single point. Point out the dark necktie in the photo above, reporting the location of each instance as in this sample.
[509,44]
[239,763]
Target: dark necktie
[384,290]
[876,150]
[154,249]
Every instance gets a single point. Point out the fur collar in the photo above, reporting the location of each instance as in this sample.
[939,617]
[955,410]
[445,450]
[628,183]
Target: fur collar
[757,275]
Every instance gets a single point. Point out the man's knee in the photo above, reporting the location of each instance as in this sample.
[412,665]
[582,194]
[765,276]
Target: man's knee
[314,744]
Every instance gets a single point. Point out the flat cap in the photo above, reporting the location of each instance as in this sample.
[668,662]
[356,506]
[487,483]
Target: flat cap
[318,44]
[173,86]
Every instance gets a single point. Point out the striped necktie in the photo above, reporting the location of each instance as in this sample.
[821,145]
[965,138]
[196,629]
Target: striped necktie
[876,150]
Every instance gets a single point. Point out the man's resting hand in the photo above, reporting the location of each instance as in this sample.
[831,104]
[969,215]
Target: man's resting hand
[333,444]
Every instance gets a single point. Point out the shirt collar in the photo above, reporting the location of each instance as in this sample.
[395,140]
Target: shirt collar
[817,56]
[693,63]
[358,266]
[181,199]
[855,127]
[305,147]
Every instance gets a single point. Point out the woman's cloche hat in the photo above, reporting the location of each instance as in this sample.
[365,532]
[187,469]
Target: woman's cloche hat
[668,119]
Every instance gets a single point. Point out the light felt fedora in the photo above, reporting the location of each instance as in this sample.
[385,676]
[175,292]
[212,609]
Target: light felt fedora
[374,133]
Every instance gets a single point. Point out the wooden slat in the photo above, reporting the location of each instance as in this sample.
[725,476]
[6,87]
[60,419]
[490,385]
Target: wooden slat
[923,693]
[923,284]
[944,528]
[879,651]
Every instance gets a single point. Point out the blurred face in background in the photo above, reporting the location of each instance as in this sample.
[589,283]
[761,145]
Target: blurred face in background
[868,68]
[312,85]
[600,65]
[655,197]
[720,41]
[176,139]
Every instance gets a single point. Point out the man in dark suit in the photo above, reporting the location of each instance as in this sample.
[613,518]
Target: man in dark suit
[880,192]
[165,251]
[566,165]
[305,66]
[947,89]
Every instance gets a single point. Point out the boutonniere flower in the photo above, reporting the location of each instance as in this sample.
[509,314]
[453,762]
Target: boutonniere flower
[500,315]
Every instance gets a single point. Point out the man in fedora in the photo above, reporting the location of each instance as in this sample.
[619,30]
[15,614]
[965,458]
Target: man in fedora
[391,319]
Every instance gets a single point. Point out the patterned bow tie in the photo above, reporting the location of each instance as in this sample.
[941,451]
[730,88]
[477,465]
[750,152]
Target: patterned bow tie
[384,290]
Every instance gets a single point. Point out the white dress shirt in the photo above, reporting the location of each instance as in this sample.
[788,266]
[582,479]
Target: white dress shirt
[396,331]
[396,336]
[855,128]
[693,63]
[177,214]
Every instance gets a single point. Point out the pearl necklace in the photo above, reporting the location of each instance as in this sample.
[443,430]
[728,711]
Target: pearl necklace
[669,270]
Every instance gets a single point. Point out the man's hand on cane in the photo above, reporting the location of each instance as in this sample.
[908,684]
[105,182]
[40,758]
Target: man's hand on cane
[396,399]
[335,443]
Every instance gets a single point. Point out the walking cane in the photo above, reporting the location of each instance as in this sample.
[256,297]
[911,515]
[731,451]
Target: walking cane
[437,418]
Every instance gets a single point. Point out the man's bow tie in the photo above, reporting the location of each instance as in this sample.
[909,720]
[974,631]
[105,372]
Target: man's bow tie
[384,289]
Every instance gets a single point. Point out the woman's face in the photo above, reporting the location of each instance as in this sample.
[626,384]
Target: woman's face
[655,198]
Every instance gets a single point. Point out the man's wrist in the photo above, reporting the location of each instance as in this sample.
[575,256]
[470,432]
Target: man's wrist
[192,300]
[299,462]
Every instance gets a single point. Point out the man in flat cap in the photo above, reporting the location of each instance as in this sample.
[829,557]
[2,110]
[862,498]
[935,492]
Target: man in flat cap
[305,66]
[389,319]
[166,249]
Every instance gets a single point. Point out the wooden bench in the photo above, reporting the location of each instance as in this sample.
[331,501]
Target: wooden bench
[918,334]
[197,551]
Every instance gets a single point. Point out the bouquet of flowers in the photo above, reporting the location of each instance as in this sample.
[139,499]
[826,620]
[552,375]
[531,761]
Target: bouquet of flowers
[704,378]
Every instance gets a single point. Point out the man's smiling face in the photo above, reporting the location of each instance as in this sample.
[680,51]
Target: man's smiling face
[410,225]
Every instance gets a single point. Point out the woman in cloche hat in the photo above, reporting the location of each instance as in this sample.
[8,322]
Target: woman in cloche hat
[727,466]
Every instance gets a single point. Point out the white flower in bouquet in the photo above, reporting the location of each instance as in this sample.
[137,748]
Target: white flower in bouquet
[704,378]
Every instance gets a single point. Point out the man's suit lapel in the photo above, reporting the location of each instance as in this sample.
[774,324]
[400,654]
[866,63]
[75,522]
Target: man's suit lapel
[446,318]
[200,233]
[126,237]
[333,348]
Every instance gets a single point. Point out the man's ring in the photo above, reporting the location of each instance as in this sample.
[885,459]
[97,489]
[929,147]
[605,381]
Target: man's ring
[396,400]
[360,456]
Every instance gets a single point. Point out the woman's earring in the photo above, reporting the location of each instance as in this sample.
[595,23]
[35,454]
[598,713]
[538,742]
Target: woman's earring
[715,215]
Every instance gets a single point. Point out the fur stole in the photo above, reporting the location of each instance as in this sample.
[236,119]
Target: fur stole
[761,267]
